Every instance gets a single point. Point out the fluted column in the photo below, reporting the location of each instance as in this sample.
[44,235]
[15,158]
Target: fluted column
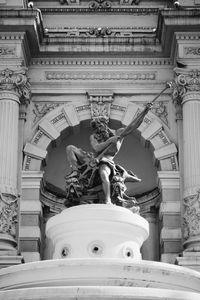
[14,88]
[187,92]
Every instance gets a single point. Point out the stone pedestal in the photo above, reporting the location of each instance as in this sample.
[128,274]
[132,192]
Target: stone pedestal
[13,87]
[96,230]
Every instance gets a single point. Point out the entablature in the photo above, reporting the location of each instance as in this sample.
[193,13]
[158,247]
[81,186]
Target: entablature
[61,32]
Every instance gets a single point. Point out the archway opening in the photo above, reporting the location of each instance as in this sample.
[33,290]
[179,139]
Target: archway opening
[132,156]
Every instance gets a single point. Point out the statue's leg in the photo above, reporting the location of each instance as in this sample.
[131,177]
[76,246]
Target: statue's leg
[129,176]
[75,157]
[71,156]
[104,172]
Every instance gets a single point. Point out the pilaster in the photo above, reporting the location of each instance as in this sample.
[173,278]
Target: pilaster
[30,215]
[170,215]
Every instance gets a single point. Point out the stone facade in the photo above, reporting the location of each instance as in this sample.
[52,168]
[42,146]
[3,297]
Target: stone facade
[64,62]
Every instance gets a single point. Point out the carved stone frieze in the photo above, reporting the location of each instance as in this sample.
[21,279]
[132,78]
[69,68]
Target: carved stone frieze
[192,215]
[16,81]
[100,104]
[7,51]
[192,50]
[8,214]
[185,81]
[41,109]
[99,4]
[59,75]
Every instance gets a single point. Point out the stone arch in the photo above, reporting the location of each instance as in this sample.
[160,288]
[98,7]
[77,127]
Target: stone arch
[51,125]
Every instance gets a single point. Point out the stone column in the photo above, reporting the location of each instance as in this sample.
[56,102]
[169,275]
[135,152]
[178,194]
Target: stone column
[187,92]
[14,88]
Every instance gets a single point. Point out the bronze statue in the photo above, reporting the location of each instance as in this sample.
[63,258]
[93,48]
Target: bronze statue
[96,171]
[87,167]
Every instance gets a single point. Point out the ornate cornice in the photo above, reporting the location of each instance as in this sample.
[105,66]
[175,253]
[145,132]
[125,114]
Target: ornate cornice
[16,81]
[186,80]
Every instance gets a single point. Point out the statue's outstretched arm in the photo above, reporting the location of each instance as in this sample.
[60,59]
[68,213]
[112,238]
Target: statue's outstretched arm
[99,147]
[135,122]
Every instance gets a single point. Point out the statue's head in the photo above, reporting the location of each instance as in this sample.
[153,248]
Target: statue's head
[101,129]
[99,122]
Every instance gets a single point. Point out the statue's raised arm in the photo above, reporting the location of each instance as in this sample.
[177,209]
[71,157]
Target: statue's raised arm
[135,123]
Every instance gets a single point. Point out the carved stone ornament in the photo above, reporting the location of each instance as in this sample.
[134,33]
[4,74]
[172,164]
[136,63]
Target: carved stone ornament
[100,4]
[192,50]
[160,110]
[8,214]
[96,4]
[70,2]
[100,31]
[7,51]
[185,81]
[41,109]
[191,215]
[16,81]
[100,104]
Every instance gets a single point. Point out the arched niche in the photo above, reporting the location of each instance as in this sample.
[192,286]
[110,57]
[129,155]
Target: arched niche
[69,120]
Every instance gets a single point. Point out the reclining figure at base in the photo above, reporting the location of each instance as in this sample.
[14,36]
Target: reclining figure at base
[91,170]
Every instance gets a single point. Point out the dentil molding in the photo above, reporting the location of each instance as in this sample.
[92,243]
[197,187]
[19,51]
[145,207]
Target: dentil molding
[101,62]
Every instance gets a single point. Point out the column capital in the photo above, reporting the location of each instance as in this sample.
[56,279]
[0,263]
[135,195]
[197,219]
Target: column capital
[16,81]
[186,82]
